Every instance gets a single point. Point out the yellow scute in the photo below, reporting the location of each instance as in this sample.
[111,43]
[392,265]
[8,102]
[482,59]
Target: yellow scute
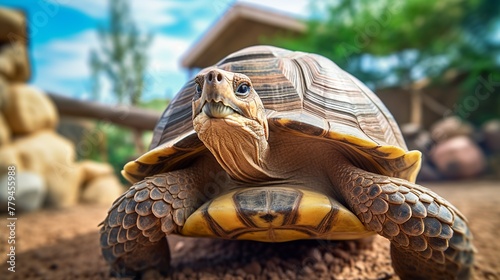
[313,209]
[223,211]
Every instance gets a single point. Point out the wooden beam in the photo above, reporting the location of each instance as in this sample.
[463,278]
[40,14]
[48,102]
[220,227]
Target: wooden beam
[128,116]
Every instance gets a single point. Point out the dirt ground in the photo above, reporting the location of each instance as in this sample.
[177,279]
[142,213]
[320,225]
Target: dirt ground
[64,245]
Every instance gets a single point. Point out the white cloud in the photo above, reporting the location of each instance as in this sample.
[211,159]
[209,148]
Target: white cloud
[165,52]
[152,13]
[164,74]
[68,56]
[63,65]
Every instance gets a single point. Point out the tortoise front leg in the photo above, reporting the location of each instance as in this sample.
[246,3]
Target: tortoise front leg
[133,235]
[429,237]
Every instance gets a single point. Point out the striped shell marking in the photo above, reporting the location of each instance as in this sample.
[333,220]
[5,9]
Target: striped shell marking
[305,94]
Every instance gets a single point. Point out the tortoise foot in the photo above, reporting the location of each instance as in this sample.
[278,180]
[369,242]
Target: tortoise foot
[133,235]
[140,259]
[429,237]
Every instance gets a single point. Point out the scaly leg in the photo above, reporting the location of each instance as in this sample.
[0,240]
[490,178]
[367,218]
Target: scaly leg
[133,235]
[429,237]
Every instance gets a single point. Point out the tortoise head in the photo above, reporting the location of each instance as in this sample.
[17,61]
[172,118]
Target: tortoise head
[230,120]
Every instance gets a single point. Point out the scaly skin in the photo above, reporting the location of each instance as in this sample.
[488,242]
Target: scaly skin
[133,235]
[429,237]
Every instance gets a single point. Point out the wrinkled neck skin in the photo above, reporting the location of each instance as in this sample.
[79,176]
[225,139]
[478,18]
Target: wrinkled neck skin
[241,148]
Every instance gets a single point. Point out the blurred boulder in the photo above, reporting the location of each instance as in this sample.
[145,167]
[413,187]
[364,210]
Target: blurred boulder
[92,170]
[12,26]
[30,191]
[458,158]
[450,127]
[9,156]
[102,190]
[4,131]
[4,93]
[29,110]
[52,156]
[14,64]
[491,134]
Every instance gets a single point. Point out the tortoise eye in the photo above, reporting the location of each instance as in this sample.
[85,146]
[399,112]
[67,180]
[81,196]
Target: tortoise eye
[243,89]
[198,90]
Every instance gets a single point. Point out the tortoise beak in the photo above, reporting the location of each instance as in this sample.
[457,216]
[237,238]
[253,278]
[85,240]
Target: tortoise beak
[216,98]
[217,109]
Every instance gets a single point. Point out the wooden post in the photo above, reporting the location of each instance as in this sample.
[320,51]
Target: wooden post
[416,101]
[416,107]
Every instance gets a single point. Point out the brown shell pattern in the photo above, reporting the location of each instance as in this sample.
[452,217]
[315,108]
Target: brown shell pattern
[305,94]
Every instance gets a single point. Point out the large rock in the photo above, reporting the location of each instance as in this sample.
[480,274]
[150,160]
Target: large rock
[459,158]
[52,156]
[9,156]
[92,170]
[29,110]
[450,127]
[29,188]
[14,62]
[102,190]
[491,133]
[4,93]
[12,26]
[4,131]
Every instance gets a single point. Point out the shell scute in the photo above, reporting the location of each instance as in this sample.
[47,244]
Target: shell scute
[305,94]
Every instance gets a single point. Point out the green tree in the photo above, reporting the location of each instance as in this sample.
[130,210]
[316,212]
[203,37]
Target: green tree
[122,57]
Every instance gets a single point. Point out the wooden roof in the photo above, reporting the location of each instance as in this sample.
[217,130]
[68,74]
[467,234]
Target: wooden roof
[243,25]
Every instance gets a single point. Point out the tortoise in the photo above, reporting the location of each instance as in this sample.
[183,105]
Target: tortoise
[274,145]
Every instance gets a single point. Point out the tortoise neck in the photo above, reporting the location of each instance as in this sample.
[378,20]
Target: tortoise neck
[241,149]
[243,157]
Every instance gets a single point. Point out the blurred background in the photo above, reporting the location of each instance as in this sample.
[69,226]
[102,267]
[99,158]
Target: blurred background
[83,83]
[93,77]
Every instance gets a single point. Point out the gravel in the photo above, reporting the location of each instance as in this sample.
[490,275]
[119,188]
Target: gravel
[63,244]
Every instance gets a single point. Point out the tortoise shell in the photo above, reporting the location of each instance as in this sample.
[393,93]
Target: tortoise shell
[306,94]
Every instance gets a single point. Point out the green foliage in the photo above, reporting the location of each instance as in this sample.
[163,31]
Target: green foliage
[393,42]
[114,146]
[122,58]
[157,104]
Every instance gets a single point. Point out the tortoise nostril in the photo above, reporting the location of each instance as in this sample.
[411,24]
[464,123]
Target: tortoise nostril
[210,77]
[219,77]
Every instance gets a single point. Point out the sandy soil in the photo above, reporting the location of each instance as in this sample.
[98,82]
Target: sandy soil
[64,245]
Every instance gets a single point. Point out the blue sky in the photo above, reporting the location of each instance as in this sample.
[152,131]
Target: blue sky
[63,32]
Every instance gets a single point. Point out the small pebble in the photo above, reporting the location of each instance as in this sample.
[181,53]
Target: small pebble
[178,246]
[253,268]
[329,259]
[315,254]
[321,267]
